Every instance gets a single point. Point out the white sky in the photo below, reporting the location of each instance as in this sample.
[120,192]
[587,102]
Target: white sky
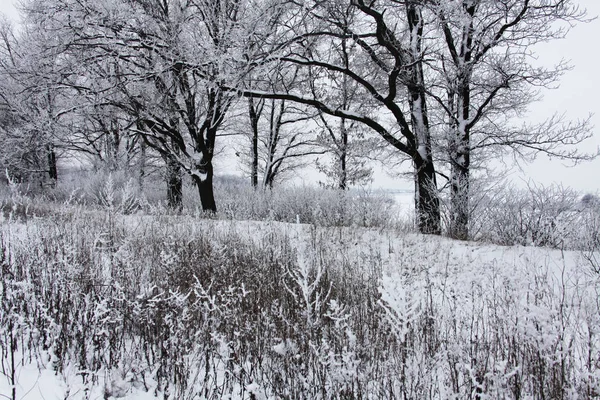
[578,96]
[7,7]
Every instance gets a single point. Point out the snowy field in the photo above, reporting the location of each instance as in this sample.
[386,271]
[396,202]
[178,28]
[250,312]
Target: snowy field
[103,306]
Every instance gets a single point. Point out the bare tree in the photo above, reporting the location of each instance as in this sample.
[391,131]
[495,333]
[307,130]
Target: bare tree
[350,151]
[345,141]
[169,60]
[388,69]
[99,131]
[282,133]
[486,78]
[288,141]
[31,108]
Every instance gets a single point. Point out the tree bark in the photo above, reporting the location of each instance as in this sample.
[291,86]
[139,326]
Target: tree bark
[427,198]
[460,167]
[459,212]
[174,185]
[461,157]
[269,177]
[204,183]
[254,117]
[343,183]
[142,166]
[428,203]
[52,168]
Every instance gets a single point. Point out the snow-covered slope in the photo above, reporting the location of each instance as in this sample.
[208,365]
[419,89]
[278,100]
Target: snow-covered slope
[290,311]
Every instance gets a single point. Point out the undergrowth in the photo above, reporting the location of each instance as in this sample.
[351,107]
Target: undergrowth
[208,309]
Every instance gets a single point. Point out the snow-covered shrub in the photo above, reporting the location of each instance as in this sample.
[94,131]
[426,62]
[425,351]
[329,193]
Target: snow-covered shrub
[19,202]
[490,327]
[309,205]
[539,216]
[587,238]
[115,196]
[185,308]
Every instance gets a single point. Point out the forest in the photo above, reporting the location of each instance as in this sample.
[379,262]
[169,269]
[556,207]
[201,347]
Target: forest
[153,245]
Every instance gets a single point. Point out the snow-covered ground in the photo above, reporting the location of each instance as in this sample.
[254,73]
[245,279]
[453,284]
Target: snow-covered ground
[489,315]
[37,382]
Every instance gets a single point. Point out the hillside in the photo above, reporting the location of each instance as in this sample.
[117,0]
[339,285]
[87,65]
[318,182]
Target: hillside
[98,305]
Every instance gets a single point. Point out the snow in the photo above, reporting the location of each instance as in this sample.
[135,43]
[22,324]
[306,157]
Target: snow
[200,175]
[285,347]
[422,150]
[523,285]
[36,382]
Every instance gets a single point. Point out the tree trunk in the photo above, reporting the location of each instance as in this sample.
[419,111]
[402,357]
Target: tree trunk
[52,169]
[204,183]
[460,159]
[255,159]
[343,183]
[427,200]
[174,185]
[459,187]
[115,143]
[268,178]
[254,117]
[460,162]
[426,196]
[460,149]
[142,166]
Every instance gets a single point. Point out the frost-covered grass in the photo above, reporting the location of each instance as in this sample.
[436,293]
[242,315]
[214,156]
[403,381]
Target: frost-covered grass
[105,305]
[552,216]
[235,198]
[312,205]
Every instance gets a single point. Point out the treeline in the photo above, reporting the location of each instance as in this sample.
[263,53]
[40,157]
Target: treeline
[134,83]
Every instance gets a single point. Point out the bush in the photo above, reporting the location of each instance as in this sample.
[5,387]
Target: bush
[188,308]
[309,205]
[551,216]
[169,301]
[235,200]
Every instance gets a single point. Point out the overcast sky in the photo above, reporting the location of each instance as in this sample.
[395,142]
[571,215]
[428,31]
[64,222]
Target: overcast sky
[578,96]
